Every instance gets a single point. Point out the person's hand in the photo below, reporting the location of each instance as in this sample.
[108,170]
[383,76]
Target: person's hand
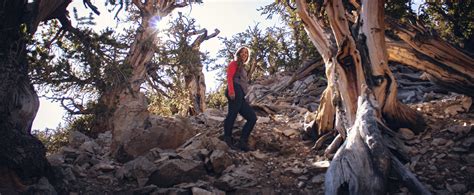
[232,96]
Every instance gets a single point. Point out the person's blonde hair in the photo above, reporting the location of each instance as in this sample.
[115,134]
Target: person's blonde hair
[236,54]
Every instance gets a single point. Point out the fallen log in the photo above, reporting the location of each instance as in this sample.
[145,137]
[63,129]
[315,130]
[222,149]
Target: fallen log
[446,65]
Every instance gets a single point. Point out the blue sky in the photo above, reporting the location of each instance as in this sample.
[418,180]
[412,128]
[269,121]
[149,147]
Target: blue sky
[229,16]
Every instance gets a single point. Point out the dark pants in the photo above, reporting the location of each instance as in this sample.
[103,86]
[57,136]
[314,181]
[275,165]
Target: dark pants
[236,106]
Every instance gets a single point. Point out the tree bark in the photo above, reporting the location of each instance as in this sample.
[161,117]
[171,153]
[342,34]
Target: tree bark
[20,152]
[355,55]
[362,163]
[381,79]
[125,106]
[344,61]
[447,66]
[194,78]
[196,86]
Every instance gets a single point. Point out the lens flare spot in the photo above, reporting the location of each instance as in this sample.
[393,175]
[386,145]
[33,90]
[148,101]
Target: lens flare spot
[155,22]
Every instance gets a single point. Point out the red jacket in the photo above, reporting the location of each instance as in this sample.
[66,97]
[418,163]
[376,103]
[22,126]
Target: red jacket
[238,75]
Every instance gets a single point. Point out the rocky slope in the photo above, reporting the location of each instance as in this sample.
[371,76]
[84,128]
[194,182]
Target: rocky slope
[281,160]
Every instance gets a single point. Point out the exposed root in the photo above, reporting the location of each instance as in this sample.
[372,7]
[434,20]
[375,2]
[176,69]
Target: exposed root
[399,115]
[408,178]
[361,165]
[385,128]
[319,143]
[332,148]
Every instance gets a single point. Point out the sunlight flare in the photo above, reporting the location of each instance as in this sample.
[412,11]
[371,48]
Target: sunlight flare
[155,22]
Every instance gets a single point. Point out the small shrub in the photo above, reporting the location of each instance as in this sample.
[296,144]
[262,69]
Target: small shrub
[53,139]
[217,99]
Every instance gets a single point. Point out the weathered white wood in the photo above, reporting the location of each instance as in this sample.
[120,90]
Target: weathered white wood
[361,164]
[453,77]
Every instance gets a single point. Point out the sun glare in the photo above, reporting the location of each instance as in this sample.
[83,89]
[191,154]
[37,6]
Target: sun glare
[155,22]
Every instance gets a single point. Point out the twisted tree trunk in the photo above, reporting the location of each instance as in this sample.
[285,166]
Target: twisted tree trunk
[349,65]
[355,54]
[194,78]
[126,108]
[22,156]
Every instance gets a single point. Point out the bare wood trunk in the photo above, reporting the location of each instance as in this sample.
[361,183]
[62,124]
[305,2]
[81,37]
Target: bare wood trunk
[431,45]
[362,164]
[356,68]
[456,76]
[325,117]
[382,80]
[343,67]
[345,73]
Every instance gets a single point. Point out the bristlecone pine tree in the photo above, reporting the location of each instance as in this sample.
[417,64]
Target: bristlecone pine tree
[126,106]
[360,98]
[194,78]
[22,156]
[182,57]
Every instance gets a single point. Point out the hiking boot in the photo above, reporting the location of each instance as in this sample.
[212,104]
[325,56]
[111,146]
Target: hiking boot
[243,145]
[229,141]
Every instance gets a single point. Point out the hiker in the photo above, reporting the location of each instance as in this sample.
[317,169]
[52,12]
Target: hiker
[237,88]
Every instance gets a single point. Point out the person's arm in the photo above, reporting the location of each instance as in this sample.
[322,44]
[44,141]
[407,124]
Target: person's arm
[230,78]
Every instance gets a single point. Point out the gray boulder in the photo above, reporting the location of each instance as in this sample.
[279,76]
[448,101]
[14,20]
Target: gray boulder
[177,171]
